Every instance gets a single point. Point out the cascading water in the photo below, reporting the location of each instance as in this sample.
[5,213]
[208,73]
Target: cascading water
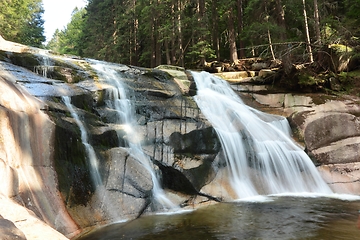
[46,65]
[84,138]
[261,156]
[100,191]
[116,99]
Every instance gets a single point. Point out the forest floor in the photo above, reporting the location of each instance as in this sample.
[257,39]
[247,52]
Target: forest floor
[304,78]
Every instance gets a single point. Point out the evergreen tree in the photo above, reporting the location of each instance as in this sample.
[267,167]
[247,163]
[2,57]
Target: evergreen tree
[69,40]
[180,32]
[55,43]
[21,21]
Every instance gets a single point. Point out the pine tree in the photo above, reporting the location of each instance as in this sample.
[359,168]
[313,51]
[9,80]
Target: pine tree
[32,31]
[21,21]
[69,40]
[184,32]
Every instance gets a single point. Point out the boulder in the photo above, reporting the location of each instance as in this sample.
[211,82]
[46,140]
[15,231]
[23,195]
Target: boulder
[240,77]
[328,127]
[342,178]
[264,73]
[331,135]
[342,151]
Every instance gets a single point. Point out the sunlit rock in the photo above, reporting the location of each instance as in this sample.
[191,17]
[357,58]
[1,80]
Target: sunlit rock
[164,141]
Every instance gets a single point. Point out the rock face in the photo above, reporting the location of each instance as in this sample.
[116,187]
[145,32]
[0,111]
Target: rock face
[327,127]
[48,176]
[9,231]
[26,167]
[331,133]
[43,156]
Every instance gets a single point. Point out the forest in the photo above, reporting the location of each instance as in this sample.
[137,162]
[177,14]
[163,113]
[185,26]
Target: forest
[187,33]
[22,21]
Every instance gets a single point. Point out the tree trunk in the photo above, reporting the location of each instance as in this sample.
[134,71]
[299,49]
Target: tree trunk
[240,27]
[286,57]
[317,22]
[271,46]
[215,30]
[173,32]
[232,38]
[167,51]
[153,44]
[157,34]
[157,47]
[136,43]
[133,36]
[281,20]
[179,32]
[268,33]
[308,42]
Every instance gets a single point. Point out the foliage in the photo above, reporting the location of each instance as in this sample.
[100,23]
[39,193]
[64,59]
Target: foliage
[21,21]
[69,40]
[153,32]
[306,79]
[201,50]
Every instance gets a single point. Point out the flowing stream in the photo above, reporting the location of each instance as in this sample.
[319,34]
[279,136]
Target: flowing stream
[262,158]
[117,99]
[84,139]
[46,66]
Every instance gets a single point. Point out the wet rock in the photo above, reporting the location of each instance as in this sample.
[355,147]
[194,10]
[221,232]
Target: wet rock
[171,130]
[175,180]
[342,178]
[328,128]
[196,142]
[331,134]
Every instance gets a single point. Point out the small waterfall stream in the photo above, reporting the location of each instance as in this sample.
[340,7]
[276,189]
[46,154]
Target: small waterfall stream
[46,65]
[261,156]
[84,138]
[118,100]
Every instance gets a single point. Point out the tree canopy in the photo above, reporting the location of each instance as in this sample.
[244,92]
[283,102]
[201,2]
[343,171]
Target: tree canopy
[69,40]
[21,21]
[188,32]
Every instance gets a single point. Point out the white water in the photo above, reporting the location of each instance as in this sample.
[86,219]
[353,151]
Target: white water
[46,65]
[262,158]
[88,147]
[117,99]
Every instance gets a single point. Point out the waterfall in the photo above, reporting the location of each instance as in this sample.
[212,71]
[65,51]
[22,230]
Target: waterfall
[84,139]
[46,65]
[116,98]
[261,156]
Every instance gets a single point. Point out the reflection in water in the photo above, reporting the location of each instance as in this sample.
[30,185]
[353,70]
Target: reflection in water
[280,218]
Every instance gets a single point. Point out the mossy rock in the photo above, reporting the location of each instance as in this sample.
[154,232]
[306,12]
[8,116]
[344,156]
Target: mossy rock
[170,67]
[26,60]
[159,75]
[4,56]
[306,79]
[340,48]
[72,167]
